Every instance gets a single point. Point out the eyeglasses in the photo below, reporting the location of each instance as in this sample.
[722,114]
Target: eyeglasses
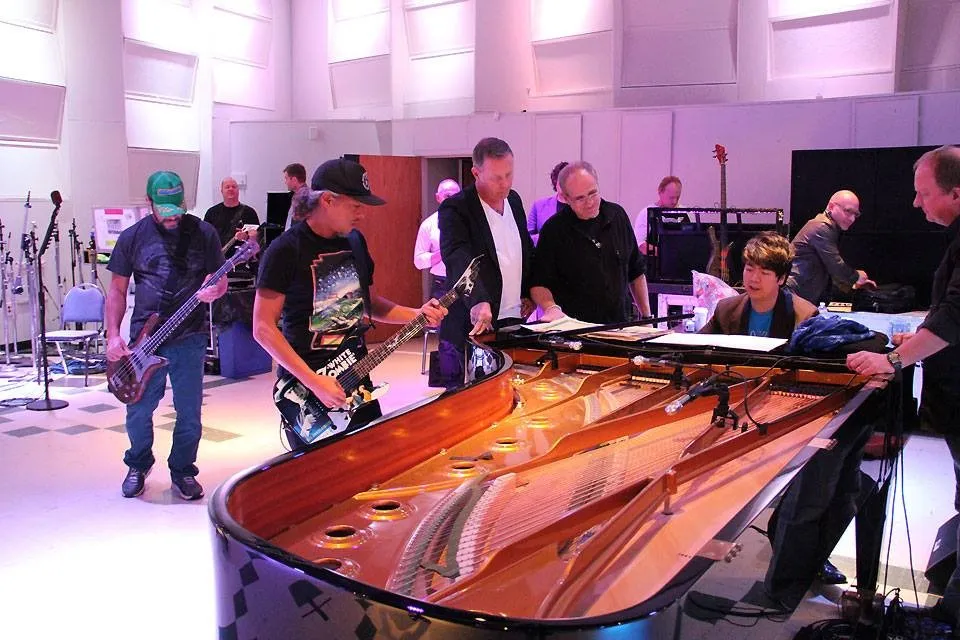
[579,200]
[851,211]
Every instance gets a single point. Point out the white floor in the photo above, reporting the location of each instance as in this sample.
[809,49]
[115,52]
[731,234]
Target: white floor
[79,560]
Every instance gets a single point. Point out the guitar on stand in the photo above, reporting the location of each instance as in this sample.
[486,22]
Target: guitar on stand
[128,376]
[309,417]
[717,264]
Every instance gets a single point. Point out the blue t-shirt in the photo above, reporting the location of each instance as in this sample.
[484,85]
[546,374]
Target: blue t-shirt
[759,323]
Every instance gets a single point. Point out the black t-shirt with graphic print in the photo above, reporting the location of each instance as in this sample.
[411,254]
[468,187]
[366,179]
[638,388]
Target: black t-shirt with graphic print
[146,251]
[324,295]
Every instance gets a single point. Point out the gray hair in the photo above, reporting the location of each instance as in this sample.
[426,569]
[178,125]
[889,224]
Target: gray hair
[568,170]
[303,202]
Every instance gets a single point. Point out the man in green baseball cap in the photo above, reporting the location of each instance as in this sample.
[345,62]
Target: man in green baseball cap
[171,256]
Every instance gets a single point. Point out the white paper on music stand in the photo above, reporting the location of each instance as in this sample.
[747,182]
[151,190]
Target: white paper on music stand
[747,343]
[566,323]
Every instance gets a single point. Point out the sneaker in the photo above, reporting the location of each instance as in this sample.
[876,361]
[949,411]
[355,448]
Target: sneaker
[133,484]
[188,487]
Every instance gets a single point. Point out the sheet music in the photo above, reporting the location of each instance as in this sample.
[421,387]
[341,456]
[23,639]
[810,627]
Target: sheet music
[748,343]
[566,323]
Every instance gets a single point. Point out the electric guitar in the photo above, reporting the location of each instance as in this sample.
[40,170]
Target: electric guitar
[717,264]
[310,418]
[128,376]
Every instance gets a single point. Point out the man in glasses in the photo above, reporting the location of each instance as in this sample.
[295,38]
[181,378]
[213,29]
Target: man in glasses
[587,256]
[818,260]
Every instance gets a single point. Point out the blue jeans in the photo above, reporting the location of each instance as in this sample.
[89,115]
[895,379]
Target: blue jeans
[185,368]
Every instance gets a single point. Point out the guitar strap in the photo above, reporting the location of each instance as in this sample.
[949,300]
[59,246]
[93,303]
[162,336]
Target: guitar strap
[178,264]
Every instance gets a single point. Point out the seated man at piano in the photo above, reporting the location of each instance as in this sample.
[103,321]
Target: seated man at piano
[818,504]
[766,309]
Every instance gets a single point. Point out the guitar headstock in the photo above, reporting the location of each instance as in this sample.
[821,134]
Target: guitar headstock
[469,278]
[247,251]
[720,153]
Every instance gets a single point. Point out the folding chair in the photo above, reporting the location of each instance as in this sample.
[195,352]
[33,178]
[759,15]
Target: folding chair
[83,304]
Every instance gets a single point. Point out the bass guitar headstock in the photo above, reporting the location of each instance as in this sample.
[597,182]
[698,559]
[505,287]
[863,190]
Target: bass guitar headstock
[246,252]
[720,153]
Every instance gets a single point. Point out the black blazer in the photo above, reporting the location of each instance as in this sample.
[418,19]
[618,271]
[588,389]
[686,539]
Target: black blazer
[464,234]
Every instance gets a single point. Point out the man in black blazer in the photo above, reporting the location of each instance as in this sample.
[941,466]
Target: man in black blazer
[487,218]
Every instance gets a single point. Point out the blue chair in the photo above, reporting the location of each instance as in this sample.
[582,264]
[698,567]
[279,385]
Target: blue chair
[84,303]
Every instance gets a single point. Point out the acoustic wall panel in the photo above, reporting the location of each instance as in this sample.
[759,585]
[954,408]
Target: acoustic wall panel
[31,112]
[30,54]
[164,24]
[156,73]
[556,138]
[655,57]
[780,10]
[646,156]
[441,28]
[552,19]
[143,162]
[692,43]
[35,14]
[361,37]
[159,125]
[836,45]
[242,84]
[365,82]
[240,38]
[349,9]
[447,77]
[681,13]
[252,8]
[931,38]
[893,122]
[574,65]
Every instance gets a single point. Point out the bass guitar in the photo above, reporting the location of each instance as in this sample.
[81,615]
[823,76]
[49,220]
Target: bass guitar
[310,418]
[717,264]
[128,376]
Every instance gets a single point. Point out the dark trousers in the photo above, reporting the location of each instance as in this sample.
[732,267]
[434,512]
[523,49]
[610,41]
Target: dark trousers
[816,508]
[451,358]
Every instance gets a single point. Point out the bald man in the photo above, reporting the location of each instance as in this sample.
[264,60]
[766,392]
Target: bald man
[426,252]
[818,260]
[229,217]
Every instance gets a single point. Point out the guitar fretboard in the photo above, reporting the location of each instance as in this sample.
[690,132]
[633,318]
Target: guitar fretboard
[167,328]
[350,379]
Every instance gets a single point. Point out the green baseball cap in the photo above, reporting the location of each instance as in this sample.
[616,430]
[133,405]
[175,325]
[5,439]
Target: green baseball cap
[165,189]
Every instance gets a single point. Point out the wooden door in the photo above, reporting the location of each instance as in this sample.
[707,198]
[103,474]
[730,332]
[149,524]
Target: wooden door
[391,232]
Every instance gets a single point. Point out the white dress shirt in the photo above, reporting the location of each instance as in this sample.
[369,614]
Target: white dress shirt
[506,238]
[428,243]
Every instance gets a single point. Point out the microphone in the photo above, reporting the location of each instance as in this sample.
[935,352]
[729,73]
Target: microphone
[703,388]
[56,199]
[559,341]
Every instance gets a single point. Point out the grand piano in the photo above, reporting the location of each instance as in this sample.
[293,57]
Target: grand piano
[562,494]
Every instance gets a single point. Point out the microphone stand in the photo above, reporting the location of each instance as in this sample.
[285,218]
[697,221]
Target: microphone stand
[46,403]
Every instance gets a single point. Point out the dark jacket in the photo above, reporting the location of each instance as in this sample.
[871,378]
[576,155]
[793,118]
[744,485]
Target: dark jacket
[588,265]
[464,234]
[732,315]
[818,260]
[940,399]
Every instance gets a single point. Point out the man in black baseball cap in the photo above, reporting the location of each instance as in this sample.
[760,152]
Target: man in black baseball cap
[346,178]
[316,277]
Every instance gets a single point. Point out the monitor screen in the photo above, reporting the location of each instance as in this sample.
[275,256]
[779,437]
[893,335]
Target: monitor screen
[278,206]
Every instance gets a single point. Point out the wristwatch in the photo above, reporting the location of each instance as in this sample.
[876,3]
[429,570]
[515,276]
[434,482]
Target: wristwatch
[894,359]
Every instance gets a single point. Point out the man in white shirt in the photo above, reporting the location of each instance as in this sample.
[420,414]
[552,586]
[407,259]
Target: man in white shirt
[487,219]
[426,252]
[668,197]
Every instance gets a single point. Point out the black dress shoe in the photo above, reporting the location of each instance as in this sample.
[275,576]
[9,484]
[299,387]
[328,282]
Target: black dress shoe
[829,574]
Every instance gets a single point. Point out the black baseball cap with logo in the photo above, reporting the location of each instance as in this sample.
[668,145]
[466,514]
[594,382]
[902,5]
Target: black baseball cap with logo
[346,178]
